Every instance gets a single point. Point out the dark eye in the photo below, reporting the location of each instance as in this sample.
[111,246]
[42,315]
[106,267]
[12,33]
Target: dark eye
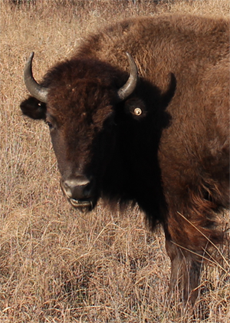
[49,125]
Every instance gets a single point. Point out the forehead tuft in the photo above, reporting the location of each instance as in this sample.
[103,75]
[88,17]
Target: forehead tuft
[80,88]
[70,72]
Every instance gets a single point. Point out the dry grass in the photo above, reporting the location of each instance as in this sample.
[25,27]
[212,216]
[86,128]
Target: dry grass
[57,265]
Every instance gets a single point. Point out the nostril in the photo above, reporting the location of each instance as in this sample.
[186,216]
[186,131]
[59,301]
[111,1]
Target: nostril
[66,188]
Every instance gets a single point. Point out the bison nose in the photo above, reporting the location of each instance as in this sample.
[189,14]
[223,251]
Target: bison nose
[76,188]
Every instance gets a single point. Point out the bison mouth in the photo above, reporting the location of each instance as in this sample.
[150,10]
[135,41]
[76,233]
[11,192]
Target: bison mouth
[83,206]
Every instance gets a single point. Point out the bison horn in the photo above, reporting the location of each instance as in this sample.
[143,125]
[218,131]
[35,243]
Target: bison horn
[127,89]
[35,89]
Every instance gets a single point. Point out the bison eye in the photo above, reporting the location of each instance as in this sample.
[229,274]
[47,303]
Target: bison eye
[49,125]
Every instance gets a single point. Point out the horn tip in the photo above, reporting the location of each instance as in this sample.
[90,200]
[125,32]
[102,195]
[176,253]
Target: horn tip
[31,56]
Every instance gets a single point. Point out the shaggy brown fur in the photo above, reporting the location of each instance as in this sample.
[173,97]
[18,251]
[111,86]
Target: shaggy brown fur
[173,160]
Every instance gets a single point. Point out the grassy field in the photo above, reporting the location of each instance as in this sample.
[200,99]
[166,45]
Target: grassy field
[58,265]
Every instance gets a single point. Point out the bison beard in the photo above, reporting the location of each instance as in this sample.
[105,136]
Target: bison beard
[160,139]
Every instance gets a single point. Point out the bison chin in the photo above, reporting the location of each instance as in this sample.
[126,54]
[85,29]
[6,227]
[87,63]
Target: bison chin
[76,197]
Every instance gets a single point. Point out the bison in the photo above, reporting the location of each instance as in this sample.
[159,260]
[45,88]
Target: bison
[140,114]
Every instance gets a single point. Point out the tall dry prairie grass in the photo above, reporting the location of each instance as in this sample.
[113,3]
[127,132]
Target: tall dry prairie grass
[58,265]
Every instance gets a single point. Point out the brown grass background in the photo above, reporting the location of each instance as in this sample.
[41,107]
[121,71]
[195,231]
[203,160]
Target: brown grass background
[58,265]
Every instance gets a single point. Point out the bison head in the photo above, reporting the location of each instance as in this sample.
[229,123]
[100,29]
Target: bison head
[76,99]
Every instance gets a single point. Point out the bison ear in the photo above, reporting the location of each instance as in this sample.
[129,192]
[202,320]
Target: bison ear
[33,108]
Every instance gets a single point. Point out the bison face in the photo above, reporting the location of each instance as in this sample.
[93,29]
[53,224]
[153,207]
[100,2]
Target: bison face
[77,100]
[82,141]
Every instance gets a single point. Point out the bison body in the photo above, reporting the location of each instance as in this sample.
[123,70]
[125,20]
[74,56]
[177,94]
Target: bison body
[159,139]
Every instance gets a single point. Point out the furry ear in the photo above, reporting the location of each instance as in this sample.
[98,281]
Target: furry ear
[33,108]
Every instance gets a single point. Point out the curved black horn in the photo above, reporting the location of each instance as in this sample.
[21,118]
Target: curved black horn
[36,90]
[127,89]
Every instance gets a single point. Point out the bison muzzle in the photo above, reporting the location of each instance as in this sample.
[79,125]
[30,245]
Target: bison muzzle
[78,192]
